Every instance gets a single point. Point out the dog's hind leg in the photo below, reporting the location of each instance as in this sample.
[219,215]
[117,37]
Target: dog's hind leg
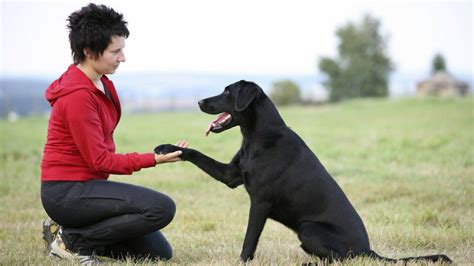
[316,239]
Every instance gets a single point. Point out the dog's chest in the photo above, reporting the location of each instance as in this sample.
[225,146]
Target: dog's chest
[249,158]
[254,166]
[245,167]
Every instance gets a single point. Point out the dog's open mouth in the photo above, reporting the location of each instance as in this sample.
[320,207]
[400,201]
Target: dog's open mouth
[220,122]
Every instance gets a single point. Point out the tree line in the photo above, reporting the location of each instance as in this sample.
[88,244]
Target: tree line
[361,68]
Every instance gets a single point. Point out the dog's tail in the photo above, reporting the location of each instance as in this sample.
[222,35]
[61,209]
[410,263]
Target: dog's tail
[430,258]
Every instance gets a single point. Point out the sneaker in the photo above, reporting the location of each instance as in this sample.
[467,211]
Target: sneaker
[58,249]
[50,231]
[87,260]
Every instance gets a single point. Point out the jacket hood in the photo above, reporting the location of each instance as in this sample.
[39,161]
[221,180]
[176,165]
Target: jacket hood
[71,80]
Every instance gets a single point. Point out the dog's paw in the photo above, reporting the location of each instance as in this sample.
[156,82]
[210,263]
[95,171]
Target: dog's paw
[166,148]
[245,257]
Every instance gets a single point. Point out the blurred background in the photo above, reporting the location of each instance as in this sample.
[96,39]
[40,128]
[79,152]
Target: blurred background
[403,151]
[299,52]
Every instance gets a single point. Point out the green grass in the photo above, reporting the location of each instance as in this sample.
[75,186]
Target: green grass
[407,166]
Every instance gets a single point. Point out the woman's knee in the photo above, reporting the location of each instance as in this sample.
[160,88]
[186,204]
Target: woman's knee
[158,246]
[169,209]
[165,253]
[162,211]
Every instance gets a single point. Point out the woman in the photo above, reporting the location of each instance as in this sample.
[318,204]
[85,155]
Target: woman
[97,216]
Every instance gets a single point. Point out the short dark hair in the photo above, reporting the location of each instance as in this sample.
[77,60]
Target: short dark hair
[93,27]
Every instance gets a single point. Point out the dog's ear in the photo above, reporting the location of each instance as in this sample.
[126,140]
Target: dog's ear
[247,92]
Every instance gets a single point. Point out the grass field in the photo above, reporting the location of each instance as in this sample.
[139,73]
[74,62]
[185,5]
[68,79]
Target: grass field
[407,166]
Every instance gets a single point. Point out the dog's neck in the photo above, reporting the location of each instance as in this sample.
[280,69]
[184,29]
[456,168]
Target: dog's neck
[263,117]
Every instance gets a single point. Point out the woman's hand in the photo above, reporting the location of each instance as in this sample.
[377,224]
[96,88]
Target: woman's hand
[182,144]
[173,156]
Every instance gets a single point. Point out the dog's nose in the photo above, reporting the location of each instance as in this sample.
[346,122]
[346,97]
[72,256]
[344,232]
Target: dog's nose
[201,102]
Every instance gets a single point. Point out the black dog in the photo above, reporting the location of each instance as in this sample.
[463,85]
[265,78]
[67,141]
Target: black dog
[285,180]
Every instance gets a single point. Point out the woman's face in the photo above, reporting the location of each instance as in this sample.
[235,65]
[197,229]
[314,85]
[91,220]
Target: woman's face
[109,61]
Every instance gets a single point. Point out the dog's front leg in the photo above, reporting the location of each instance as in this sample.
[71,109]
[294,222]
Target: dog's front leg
[257,217]
[229,174]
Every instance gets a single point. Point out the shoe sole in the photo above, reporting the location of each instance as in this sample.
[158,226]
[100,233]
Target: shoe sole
[58,252]
[50,230]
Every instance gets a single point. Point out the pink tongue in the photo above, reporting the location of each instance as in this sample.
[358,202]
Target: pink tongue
[208,129]
[215,122]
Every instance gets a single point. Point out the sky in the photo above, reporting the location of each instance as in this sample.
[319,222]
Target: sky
[240,37]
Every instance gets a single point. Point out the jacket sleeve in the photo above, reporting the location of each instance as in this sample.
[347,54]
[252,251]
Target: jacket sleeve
[82,118]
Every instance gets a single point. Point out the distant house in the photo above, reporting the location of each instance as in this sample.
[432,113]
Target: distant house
[443,84]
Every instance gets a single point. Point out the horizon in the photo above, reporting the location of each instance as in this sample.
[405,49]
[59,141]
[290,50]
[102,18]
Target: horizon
[399,84]
[165,91]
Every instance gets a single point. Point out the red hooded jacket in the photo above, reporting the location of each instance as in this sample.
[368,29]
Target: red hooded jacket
[80,144]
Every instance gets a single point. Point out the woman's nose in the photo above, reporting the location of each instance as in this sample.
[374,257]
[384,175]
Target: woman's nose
[122,57]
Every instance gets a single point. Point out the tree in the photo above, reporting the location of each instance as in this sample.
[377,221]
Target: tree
[285,92]
[438,64]
[362,66]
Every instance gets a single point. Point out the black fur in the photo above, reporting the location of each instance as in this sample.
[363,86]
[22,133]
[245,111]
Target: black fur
[284,178]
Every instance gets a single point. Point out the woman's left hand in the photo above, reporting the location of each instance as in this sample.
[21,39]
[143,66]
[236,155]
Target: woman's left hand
[173,156]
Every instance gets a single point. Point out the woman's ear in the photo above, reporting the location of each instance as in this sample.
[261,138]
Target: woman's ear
[87,53]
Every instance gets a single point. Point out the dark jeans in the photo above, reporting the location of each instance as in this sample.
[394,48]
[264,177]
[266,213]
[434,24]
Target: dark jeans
[110,218]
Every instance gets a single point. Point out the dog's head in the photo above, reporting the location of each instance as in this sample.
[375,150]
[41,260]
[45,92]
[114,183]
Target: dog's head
[230,104]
